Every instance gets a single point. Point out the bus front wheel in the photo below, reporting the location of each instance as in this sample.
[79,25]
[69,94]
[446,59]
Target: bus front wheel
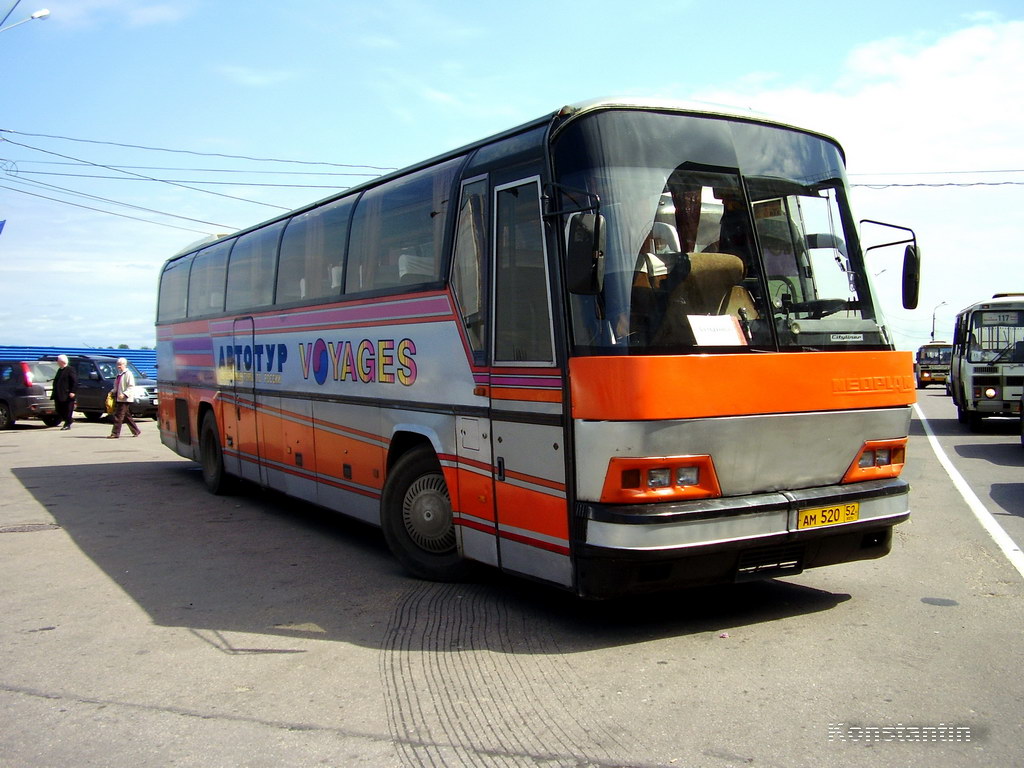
[211,458]
[416,518]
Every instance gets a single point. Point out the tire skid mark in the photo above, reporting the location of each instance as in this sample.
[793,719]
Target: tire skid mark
[469,682]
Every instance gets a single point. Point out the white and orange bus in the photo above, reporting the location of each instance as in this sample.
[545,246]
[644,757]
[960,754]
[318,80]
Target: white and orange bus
[623,347]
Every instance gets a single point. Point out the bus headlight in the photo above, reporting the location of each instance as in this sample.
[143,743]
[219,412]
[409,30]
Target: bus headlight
[878,459]
[659,479]
[991,393]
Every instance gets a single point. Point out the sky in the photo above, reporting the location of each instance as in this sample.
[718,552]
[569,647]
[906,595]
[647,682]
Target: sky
[123,123]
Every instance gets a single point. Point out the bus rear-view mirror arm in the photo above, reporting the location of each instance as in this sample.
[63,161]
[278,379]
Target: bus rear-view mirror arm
[911,262]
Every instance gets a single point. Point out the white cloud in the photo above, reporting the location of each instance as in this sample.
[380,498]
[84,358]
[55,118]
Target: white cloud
[134,12]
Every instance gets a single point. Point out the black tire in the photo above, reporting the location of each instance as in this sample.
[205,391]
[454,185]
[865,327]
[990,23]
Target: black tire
[93,415]
[51,420]
[974,420]
[416,517]
[211,459]
[6,422]
[961,412]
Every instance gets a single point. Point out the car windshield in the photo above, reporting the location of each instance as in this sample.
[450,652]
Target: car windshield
[718,235]
[107,370]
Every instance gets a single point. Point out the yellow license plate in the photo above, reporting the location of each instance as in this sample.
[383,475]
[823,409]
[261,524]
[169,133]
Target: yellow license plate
[834,515]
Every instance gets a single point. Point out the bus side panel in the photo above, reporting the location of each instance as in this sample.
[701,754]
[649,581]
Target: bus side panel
[269,424]
[470,477]
[350,459]
[533,518]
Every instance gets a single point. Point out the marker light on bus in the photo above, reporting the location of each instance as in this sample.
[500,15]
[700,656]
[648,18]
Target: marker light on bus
[648,480]
[878,459]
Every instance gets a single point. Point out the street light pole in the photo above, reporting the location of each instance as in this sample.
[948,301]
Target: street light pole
[40,14]
[942,304]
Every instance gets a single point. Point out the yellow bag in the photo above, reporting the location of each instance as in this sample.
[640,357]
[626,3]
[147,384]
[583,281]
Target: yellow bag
[110,401]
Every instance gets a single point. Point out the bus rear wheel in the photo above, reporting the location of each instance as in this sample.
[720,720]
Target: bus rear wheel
[417,521]
[211,458]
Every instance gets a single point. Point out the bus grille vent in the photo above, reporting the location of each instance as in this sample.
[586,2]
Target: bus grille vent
[769,562]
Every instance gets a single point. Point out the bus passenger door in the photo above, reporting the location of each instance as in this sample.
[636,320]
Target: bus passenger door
[527,434]
[477,528]
[243,413]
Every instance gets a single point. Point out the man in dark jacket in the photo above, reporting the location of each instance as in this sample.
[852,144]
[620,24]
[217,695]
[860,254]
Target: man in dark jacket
[65,384]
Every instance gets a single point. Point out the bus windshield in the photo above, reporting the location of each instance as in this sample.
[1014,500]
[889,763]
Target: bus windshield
[996,336]
[935,354]
[752,248]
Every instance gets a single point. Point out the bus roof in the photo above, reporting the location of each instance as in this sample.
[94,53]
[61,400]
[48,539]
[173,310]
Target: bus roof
[557,120]
[998,300]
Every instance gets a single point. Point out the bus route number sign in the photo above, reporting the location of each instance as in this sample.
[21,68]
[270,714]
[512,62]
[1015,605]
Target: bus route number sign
[833,515]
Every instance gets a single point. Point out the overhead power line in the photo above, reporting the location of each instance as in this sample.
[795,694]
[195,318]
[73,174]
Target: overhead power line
[947,184]
[21,173]
[194,152]
[100,210]
[66,191]
[139,175]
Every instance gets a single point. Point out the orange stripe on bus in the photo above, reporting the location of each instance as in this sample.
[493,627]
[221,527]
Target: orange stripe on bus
[532,511]
[695,386]
[526,395]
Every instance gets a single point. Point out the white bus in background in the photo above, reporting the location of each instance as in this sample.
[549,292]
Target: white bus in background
[931,365]
[987,367]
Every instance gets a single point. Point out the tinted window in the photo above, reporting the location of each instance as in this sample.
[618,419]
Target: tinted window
[312,261]
[522,318]
[173,302]
[468,273]
[398,229]
[206,282]
[42,371]
[251,269]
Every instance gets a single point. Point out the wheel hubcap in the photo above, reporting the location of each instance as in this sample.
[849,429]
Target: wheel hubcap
[427,514]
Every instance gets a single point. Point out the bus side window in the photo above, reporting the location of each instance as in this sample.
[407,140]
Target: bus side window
[468,271]
[206,281]
[522,310]
[251,269]
[312,257]
[404,217]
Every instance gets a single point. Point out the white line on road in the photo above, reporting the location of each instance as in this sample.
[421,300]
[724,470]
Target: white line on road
[988,522]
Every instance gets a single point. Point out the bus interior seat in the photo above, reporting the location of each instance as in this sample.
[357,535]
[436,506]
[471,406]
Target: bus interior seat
[413,268]
[736,299]
[710,282]
[712,287]
[666,238]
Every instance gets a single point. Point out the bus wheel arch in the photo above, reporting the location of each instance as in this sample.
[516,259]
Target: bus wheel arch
[416,516]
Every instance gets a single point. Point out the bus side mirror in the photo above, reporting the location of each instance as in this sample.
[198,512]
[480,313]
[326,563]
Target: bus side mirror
[584,268]
[911,276]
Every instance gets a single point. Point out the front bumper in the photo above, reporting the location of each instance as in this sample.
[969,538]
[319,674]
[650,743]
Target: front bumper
[634,549]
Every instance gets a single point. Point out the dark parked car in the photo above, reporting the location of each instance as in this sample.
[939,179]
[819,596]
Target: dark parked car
[96,374]
[25,389]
